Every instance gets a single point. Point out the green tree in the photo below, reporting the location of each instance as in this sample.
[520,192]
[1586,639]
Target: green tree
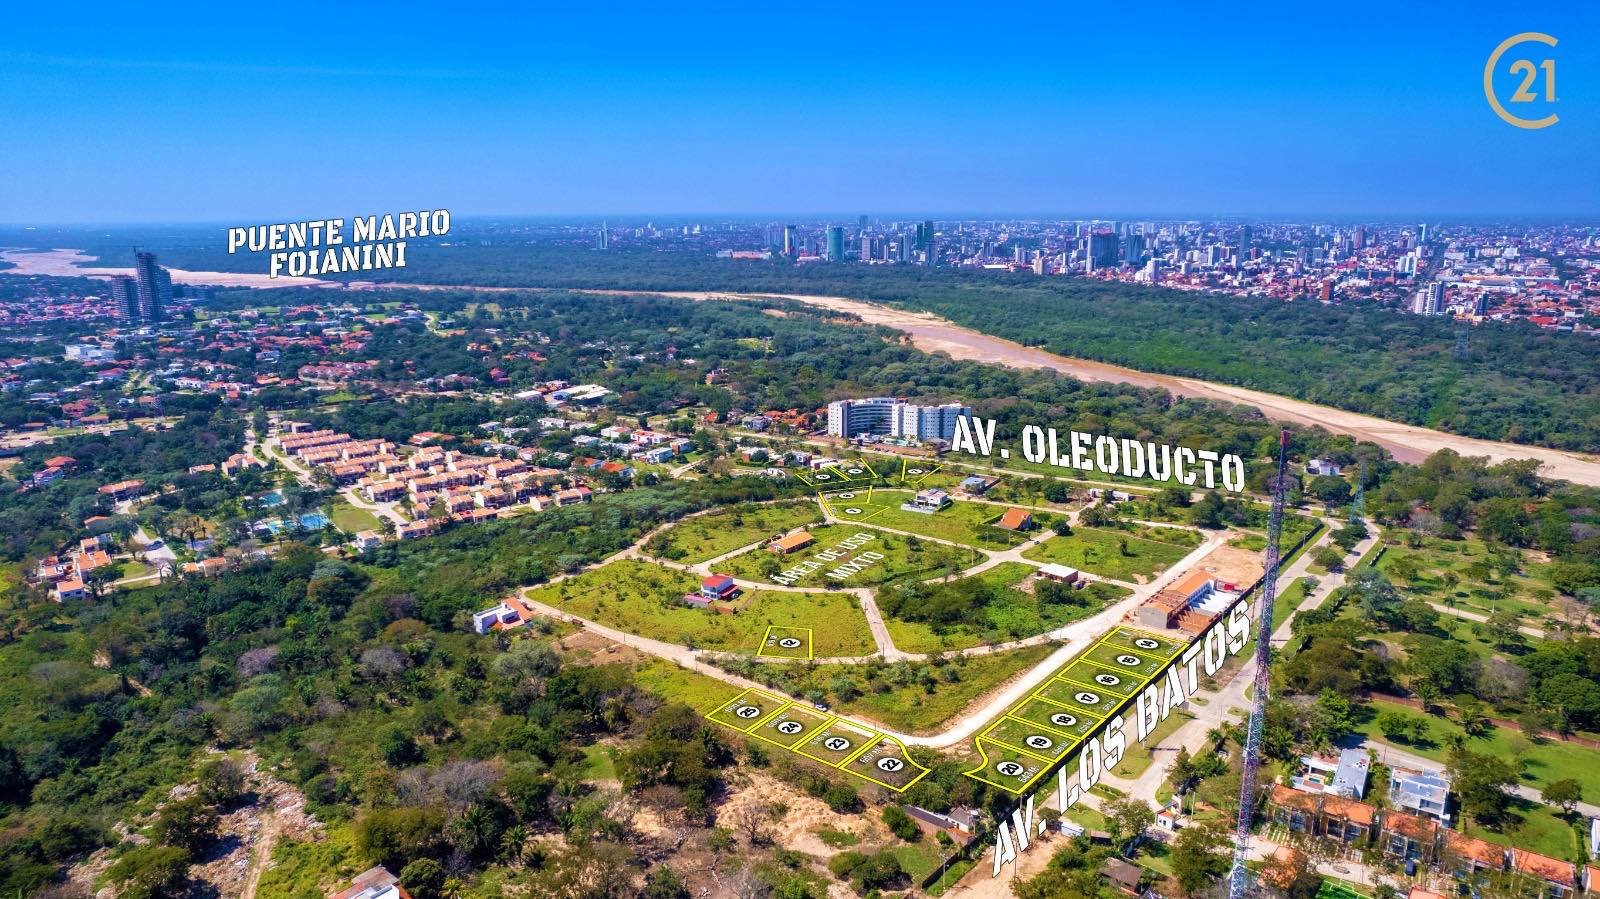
[901,824]
[1565,793]
[664,883]
[1128,818]
[1198,856]
[423,878]
[1481,783]
[151,872]
[189,824]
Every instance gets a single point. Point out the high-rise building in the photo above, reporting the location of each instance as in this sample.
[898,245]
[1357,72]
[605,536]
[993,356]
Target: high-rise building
[605,237]
[885,415]
[1429,300]
[1102,250]
[124,297]
[154,286]
[1246,238]
[791,241]
[926,235]
[917,422]
[1133,250]
[1019,255]
[1422,233]
[861,223]
[866,246]
[835,243]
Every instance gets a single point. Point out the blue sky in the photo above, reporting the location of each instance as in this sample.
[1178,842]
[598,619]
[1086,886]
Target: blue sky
[272,112]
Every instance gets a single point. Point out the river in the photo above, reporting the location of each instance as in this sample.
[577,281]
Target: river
[1407,443]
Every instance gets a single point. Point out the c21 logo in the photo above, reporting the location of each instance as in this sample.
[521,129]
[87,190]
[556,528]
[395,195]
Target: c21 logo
[1531,75]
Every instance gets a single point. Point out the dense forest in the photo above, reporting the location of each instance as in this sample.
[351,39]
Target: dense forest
[357,680]
[1517,383]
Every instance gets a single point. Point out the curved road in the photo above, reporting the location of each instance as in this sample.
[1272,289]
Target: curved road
[1073,637]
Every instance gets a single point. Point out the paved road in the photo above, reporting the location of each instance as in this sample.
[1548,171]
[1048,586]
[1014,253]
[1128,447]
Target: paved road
[1441,608]
[1075,636]
[164,555]
[1221,704]
[390,511]
[1392,755]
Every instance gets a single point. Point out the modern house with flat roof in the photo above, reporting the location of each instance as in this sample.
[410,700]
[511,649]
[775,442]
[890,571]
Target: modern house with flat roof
[930,500]
[1421,792]
[1342,776]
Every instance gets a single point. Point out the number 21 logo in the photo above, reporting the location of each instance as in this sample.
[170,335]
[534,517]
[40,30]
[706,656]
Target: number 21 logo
[1530,73]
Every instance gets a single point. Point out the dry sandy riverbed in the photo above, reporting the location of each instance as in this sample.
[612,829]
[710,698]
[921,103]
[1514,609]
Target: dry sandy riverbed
[1408,443]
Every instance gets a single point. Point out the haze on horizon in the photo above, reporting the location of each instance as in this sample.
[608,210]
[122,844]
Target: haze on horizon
[641,112]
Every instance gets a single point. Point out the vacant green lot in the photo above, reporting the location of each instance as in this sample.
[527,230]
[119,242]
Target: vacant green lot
[1534,826]
[1160,534]
[1017,615]
[645,599]
[1464,574]
[708,536]
[904,559]
[1552,760]
[1109,553]
[1288,602]
[674,684]
[960,522]
[912,697]
[348,518]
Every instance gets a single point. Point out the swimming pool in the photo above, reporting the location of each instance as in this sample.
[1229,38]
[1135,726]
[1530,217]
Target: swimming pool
[311,521]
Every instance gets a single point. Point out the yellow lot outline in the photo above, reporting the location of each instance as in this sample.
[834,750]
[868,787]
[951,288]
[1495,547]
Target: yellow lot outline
[868,472]
[904,752]
[832,475]
[865,505]
[916,479]
[876,737]
[977,773]
[1049,765]
[811,643]
[1072,740]
[827,721]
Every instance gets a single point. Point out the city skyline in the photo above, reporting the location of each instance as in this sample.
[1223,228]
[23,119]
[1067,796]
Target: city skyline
[195,119]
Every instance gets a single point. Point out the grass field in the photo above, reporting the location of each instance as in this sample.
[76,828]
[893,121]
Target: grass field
[645,599]
[1288,602]
[673,684]
[597,763]
[1436,560]
[1548,761]
[708,536]
[961,522]
[348,518]
[1535,827]
[904,559]
[1018,615]
[1100,551]
[912,697]
[1175,536]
